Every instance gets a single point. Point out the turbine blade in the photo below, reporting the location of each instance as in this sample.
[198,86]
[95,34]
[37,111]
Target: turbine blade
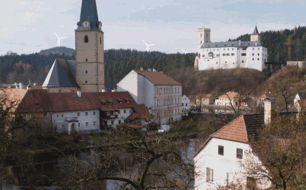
[56,35]
[63,37]
[144,42]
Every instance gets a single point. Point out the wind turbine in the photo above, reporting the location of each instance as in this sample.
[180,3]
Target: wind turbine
[185,51]
[59,40]
[148,45]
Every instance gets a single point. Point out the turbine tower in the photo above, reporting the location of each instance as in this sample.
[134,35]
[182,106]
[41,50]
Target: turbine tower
[148,45]
[59,40]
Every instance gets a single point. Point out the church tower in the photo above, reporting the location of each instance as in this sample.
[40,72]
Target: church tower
[255,36]
[89,43]
[203,36]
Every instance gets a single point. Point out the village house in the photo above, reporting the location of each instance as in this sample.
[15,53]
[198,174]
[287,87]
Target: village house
[204,99]
[218,161]
[227,99]
[159,93]
[83,112]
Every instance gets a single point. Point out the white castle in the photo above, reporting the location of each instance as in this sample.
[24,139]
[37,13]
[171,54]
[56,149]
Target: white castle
[228,55]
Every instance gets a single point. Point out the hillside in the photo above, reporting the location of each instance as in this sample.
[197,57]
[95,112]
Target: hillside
[58,50]
[283,45]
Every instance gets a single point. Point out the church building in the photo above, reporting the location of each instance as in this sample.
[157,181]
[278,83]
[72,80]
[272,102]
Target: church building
[232,54]
[86,73]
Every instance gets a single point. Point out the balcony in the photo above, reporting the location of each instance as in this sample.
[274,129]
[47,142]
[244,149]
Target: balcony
[71,119]
[109,117]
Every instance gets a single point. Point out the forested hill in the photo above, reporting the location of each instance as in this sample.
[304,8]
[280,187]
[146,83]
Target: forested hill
[34,67]
[283,45]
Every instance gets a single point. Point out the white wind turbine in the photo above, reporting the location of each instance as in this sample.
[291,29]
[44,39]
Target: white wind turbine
[59,40]
[184,51]
[148,45]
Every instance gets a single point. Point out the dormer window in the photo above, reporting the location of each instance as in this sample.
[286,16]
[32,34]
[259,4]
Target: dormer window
[86,39]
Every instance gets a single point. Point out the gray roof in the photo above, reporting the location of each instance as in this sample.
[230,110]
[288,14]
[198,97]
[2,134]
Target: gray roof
[233,44]
[255,31]
[89,12]
[302,95]
[61,74]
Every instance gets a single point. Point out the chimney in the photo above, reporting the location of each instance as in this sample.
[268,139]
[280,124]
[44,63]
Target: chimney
[103,90]
[114,90]
[34,84]
[79,93]
[269,106]
[141,68]
[154,70]
[20,85]
[149,69]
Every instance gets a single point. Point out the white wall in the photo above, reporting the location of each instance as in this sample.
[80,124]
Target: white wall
[185,103]
[129,83]
[221,165]
[59,119]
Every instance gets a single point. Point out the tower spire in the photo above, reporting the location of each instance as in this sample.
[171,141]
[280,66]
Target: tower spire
[89,13]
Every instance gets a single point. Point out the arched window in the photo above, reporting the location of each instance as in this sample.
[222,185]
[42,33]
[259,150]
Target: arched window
[100,40]
[86,39]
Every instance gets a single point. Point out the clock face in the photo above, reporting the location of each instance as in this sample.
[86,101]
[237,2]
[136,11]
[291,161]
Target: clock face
[86,24]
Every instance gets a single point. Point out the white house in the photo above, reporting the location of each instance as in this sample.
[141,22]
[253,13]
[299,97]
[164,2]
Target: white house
[227,99]
[228,55]
[185,103]
[159,93]
[299,96]
[82,112]
[219,159]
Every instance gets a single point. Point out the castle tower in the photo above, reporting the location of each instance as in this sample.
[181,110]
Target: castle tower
[203,36]
[255,36]
[89,43]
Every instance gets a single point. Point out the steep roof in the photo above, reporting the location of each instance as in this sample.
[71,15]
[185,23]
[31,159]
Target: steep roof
[231,95]
[231,44]
[89,12]
[12,97]
[243,129]
[158,78]
[203,95]
[42,101]
[61,74]
[255,31]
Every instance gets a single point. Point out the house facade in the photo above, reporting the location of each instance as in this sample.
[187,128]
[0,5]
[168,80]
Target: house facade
[229,55]
[159,93]
[185,104]
[82,112]
[227,99]
[219,160]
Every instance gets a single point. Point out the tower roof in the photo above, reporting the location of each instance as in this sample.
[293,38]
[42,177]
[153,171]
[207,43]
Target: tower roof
[61,74]
[89,12]
[255,31]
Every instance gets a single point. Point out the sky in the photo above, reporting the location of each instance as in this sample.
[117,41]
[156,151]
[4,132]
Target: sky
[27,26]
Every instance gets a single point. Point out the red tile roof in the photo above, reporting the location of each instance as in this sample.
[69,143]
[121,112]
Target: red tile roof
[242,129]
[158,78]
[42,101]
[12,95]
[231,95]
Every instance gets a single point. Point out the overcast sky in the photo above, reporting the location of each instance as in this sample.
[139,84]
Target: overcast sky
[27,26]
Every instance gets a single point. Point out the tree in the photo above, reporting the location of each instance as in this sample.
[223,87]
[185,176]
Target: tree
[135,161]
[281,151]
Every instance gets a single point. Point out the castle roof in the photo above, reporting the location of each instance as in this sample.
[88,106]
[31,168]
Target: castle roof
[61,74]
[89,13]
[255,31]
[231,44]
[158,78]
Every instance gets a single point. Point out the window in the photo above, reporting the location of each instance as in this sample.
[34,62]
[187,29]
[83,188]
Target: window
[86,72]
[94,123]
[216,62]
[118,111]
[86,39]
[209,175]
[258,54]
[86,81]
[242,61]
[45,114]
[86,113]
[57,115]
[239,153]
[124,111]
[86,60]
[62,115]
[244,48]
[253,59]
[86,124]
[252,54]
[243,54]
[233,54]
[220,150]
[112,122]
[94,113]
[258,59]
[100,40]
[186,104]
[79,124]
[78,113]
